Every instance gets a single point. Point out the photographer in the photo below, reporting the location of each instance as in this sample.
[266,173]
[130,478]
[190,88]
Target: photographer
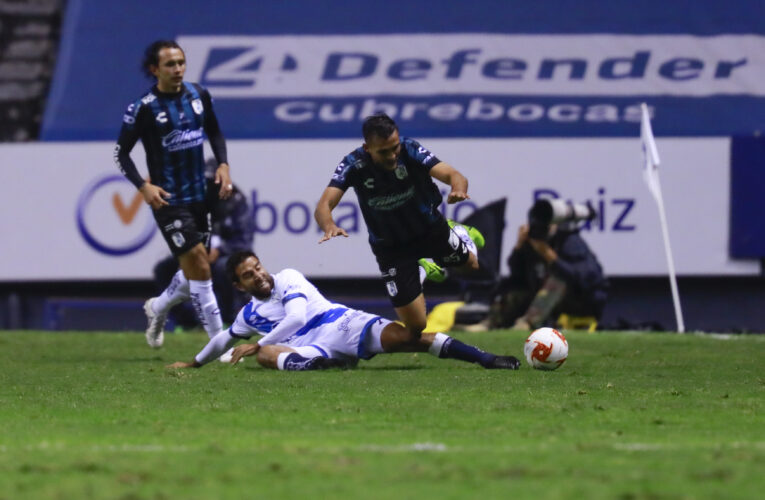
[552,271]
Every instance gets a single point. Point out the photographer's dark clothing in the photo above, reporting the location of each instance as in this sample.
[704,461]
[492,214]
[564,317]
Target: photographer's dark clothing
[232,221]
[574,283]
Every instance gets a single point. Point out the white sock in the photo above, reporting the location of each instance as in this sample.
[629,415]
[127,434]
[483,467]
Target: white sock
[175,293]
[206,306]
[465,237]
[280,360]
[423,274]
[438,343]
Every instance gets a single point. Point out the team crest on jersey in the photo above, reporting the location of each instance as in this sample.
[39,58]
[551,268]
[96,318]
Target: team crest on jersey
[392,288]
[197,106]
[178,239]
[401,172]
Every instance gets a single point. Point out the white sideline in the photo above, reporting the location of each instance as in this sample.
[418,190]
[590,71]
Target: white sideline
[400,448]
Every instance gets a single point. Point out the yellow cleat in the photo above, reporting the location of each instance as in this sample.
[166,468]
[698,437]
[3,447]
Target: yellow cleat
[433,271]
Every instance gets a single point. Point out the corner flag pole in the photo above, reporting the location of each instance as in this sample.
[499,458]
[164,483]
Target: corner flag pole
[651,176]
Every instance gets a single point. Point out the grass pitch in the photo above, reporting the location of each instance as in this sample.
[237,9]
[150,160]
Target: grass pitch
[628,416]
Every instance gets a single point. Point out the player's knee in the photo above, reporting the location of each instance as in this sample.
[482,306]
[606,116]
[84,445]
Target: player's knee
[471,264]
[266,358]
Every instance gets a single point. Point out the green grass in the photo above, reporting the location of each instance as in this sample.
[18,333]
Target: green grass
[629,416]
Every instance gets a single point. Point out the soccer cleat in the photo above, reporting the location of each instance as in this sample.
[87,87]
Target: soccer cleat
[473,232]
[433,271]
[503,363]
[155,332]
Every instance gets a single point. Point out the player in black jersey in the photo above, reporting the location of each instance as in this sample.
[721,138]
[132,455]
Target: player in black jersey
[392,177]
[171,120]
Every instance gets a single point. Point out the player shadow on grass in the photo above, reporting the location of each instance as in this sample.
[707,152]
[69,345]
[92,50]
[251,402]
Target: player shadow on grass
[363,368]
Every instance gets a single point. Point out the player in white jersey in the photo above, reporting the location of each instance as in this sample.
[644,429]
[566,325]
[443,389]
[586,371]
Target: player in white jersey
[302,330]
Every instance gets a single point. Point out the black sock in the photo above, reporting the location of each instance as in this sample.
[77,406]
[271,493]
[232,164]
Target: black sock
[295,362]
[455,349]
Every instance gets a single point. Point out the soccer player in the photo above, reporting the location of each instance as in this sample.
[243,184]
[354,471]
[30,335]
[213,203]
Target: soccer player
[392,178]
[171,120]
[302,330]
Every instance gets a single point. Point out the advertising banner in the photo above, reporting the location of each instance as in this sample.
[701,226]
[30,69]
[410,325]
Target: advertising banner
[486,69]
[70,215]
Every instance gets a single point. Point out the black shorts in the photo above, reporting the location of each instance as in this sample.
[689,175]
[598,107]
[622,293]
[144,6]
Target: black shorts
[399,268]
[184,226]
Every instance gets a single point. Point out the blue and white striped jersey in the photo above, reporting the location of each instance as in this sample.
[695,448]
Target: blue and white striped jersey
[172,128]
[260,317]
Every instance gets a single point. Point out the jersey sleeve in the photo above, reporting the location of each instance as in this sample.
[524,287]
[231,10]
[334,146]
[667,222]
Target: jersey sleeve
[419,153]
[212,128]
[342,177]
[129,134]
[240,328]
[293,285]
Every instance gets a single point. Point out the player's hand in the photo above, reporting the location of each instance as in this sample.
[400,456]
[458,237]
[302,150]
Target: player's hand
[331,232]
[154,195]
[243,350]
[456,196]
[213,255]
[223,179]
[181,364]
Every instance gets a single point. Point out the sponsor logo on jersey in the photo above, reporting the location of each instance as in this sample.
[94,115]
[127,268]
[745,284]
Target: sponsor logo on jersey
[391,202]
[183,139]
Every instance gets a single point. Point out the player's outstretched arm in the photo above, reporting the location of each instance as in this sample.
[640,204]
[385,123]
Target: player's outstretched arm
[451,176]
[217,345]
[323,213]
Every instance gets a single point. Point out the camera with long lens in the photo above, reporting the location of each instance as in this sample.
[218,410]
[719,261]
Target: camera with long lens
[546,212]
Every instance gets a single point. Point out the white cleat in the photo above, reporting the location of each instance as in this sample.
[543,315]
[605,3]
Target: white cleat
[155,332]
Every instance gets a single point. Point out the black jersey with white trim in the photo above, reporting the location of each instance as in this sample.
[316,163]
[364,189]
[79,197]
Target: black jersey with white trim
[172,128]
[399,205]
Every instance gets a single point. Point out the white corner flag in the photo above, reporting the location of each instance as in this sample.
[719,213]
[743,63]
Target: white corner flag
[651,176]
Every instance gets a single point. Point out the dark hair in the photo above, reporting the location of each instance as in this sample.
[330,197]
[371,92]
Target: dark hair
[233,262]
[379,125]
[151,54]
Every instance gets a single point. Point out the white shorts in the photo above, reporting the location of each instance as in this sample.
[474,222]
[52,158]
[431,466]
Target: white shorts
[353,335]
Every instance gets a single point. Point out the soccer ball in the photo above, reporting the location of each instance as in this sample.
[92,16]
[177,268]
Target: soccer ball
[546,349]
